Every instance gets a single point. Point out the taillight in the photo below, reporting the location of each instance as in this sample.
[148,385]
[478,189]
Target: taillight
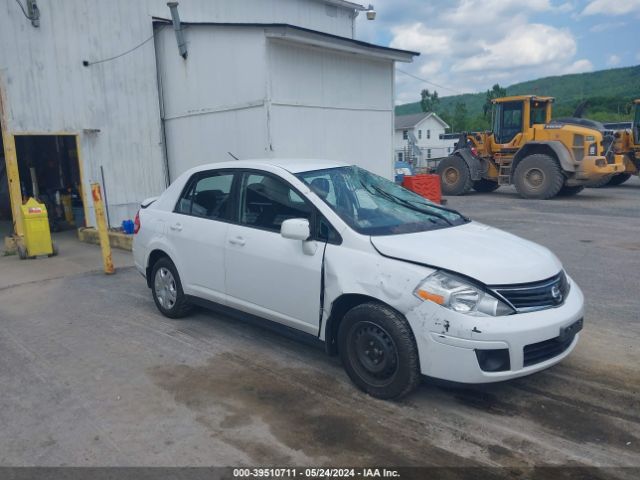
[474,151]
[136,223]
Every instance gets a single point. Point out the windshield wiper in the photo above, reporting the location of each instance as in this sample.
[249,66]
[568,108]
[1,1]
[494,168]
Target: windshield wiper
[407,204]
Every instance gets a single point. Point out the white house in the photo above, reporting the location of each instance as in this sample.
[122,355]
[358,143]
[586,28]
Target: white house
[99,91]
[427,130]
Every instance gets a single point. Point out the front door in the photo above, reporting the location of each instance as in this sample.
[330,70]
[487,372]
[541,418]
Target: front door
[268,275]
[508,125]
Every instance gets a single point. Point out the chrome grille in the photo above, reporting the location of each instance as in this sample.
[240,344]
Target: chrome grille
[536,295]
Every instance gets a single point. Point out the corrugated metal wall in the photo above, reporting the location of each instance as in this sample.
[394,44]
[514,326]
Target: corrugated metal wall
[49,90]
[258,97]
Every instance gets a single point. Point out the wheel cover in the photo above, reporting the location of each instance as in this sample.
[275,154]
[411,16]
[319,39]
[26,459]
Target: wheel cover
[165,288]
[451,175]
[534,178]
[373,353]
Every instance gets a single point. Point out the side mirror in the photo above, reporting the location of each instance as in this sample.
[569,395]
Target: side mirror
[296,229]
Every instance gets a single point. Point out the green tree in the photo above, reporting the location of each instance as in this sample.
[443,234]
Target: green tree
[496,92]
[459,118]
[429,101]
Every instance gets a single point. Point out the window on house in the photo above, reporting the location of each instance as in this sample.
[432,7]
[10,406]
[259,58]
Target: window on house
[400,156]
[405,134]
[419,134]
[428,133]
[428,153]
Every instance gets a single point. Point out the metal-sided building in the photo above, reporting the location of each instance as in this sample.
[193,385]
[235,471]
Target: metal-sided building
[98,91]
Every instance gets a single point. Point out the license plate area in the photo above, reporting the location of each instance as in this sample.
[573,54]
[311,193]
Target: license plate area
[570,330]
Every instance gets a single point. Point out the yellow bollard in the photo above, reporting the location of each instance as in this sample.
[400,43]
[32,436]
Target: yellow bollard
[103,232]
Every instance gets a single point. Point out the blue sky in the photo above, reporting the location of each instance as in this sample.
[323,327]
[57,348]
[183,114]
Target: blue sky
[469,45]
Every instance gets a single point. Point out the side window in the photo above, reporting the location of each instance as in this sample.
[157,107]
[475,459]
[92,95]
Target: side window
[266,202]
[325,232]
[208,196]
[511,116]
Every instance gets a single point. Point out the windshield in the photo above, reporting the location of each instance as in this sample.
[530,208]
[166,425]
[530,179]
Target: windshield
[636,124]
[373,205]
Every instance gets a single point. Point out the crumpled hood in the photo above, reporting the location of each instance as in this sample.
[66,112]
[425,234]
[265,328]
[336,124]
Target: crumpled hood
[484,253]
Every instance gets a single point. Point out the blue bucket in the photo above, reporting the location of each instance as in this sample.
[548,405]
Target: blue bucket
[127,227]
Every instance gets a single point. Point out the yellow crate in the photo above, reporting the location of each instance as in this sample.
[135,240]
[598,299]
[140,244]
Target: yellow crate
[37,236]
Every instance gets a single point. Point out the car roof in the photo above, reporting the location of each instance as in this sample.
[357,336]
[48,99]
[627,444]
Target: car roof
[290,164]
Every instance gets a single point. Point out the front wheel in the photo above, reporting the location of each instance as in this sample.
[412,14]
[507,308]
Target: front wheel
[538,176]
[167,290]
[378,351]
[485,186]
[570,191]
[455,177]
[619,179]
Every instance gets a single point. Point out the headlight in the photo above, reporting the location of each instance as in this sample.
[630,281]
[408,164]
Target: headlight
[460,296]
[593,149]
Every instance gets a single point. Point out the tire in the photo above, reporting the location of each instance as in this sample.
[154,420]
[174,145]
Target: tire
[601,182]
[391,370]
[167,290]
[538,176]
[455,177]
[570,191]
[485,186]
[619,179]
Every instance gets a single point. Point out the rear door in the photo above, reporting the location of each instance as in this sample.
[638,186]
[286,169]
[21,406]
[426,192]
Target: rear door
[198,231]
[268,275]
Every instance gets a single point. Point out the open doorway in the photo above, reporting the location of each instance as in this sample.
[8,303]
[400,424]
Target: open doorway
[50,171]
[6,226]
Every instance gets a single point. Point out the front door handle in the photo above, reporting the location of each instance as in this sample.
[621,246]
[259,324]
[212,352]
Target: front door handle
[237,241]
[177,227]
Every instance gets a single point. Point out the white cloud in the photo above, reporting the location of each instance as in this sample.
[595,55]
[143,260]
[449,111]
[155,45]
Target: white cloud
[579,66]
[525,46]
[603,27]
[469,45]
[611,7]
[613,60]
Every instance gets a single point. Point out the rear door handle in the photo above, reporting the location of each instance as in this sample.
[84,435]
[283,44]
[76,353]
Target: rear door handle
[177,227]
[237,241]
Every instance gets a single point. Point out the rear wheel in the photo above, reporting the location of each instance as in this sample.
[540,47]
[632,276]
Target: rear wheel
[570,191]
[378,351]
[167,290]
[455,178]
[619,179]
[601,182]
[484,185]
[538,176]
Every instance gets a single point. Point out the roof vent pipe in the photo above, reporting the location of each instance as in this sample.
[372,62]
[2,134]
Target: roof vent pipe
[177,26]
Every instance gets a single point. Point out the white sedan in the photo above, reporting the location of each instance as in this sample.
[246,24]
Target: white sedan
[394,284]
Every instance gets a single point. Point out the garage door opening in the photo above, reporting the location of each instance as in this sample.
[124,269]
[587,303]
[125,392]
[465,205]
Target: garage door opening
[49,171]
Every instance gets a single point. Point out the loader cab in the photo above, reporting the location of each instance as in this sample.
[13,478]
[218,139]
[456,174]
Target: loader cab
[517,115]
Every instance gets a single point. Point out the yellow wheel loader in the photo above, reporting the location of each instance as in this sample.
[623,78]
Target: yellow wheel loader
[627,143]
[526,149]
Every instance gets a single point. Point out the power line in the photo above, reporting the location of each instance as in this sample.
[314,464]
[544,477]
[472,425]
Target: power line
[23,10]
[87,63]
[430,83]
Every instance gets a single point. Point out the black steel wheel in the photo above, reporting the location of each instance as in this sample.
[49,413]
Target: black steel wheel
[378,351]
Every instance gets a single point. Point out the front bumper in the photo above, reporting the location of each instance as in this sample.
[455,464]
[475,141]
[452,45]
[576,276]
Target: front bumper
[447,341]
[593,168]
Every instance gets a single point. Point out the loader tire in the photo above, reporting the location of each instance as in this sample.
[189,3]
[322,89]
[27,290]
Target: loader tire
[619,179]
[570,191]
[455,177]
[484,186]
[601,182]
[538,176]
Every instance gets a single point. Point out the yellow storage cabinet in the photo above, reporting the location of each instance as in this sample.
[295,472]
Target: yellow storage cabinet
[37,236]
